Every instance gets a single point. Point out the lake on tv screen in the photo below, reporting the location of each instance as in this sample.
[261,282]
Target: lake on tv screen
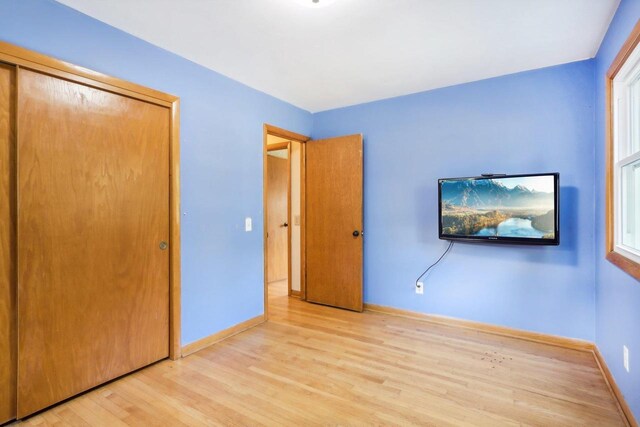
[501,207]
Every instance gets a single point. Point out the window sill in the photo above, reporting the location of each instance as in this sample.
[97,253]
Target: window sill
[628,266]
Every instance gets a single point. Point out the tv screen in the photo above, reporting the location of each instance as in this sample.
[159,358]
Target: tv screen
[500,208]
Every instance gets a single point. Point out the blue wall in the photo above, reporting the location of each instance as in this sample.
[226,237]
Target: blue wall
[528,122]
[617,294]
[537,121]
[221,153]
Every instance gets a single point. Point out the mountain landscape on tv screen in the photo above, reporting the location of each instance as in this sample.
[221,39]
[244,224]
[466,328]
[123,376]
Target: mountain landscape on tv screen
[488,207]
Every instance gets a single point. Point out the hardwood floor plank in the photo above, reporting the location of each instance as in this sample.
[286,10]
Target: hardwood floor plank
[316,365]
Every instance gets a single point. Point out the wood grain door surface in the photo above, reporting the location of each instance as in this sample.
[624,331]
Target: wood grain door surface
[333,199]
[277,205]
[7,244]
[93,207]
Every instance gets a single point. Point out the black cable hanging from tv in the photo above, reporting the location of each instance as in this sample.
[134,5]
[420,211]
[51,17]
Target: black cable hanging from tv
[451,242]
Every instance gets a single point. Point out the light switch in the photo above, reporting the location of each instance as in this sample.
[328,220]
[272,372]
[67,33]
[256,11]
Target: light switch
[247,224]
[296,220]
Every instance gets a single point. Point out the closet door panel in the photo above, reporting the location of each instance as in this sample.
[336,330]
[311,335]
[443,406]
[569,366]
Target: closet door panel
[93,211]
[7,244]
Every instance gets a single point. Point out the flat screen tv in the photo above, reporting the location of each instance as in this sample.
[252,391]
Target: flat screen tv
[520,209]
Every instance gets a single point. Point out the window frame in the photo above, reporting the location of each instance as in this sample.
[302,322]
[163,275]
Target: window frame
[615,252]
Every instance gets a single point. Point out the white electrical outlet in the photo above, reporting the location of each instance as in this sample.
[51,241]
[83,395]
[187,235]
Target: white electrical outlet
[420,288]
[625,352]
[247,224]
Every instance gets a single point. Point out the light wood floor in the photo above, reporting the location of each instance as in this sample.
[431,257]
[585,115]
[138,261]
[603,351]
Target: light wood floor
[314,365]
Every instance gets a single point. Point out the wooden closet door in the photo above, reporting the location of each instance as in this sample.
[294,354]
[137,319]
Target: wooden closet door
[7,244]
[93,209]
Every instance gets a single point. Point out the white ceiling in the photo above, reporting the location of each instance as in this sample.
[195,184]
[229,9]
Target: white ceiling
[354,51]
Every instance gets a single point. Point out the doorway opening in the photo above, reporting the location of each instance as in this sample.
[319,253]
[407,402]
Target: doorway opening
[283,189]
[318,236]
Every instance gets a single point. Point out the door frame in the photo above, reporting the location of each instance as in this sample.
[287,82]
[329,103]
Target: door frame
[268,129]
[27,59]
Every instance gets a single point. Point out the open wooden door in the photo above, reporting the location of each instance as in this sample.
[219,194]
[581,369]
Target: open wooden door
[333,231]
